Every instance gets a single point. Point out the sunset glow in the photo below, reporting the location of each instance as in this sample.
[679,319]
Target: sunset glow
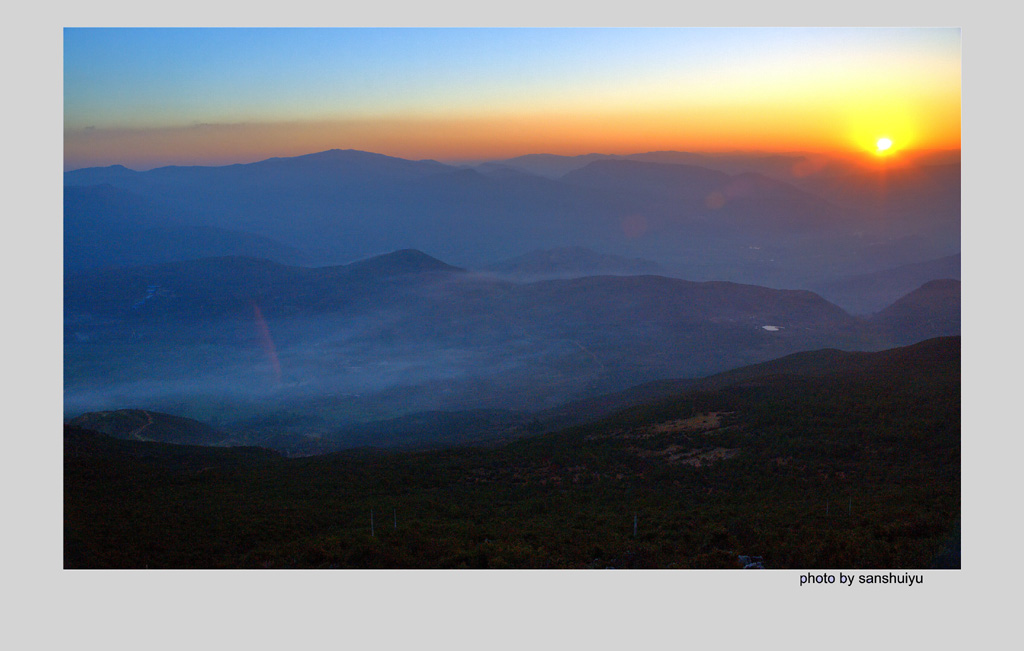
[217,96]
[476,298]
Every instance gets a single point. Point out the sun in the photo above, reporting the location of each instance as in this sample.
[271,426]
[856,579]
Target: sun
[883,145]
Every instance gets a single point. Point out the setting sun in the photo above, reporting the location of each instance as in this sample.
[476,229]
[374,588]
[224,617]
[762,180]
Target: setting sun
[508,283]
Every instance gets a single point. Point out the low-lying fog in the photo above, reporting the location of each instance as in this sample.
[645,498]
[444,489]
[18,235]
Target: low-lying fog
[351,371]
[306,352]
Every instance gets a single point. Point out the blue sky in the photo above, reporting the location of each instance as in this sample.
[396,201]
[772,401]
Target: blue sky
[139,80]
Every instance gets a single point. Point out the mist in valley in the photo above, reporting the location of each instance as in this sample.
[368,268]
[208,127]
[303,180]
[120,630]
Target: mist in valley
[296,298]
[265,350]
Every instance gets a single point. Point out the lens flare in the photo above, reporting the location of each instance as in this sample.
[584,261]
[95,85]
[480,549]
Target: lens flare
[267,341]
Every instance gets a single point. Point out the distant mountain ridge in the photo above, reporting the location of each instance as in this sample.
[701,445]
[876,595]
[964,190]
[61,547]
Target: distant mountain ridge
[745,223]
[143,425]
[234,283]
[406,332]
[747,203]
[329,162]
[232,278]
[781,166]
[870,293]
[404,261]
[573,261]
[934,308]
[108,227]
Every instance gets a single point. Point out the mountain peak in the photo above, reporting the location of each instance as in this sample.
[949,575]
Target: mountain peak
[931,310]
[401,262]
[352,163]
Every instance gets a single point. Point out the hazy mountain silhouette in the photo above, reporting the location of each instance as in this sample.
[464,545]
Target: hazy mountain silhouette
[255,304]
[703,223]
[932,310]
[340,205]
[869,293]
[440,298]
[572,261]
[399,262]
[200,308]
[780,166]
[552,166]
[108,227]
[279,348]
[216,286]
[784,167]
[681,196]
[914,208]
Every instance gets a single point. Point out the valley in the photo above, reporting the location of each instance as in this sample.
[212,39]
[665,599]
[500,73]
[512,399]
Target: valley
[663,360]
[286,353]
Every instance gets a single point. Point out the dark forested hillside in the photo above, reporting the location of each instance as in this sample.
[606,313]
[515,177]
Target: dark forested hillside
[142,425]
[823,460]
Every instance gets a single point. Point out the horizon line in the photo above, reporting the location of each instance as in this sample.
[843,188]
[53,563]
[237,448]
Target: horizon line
[842,154]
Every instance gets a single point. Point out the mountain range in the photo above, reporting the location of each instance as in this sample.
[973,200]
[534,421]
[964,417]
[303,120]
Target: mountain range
[664,359]
[870,293]
[250,341]
[572,262]
[696,221]
[108,227]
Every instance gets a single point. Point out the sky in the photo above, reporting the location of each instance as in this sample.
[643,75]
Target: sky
[146,98]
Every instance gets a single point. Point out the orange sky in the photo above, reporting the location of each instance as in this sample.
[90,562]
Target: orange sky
[477,94]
